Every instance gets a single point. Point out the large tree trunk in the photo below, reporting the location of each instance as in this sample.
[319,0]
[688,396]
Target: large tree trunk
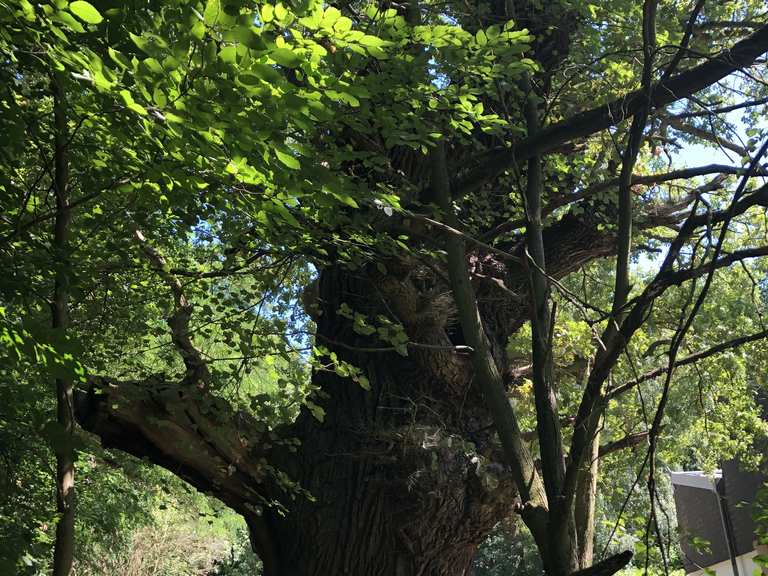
[397,489]
[391,497]
[404,478]
[389,483]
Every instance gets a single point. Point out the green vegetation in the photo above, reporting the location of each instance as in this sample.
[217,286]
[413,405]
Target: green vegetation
[374,287]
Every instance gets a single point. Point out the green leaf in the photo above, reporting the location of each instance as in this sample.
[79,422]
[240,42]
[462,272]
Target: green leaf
[85,11]
[289,160]
[286,57]
[377,52]
[267,73]
[342,25]
[280,12]
[141,43]
[119,58]
[249,79]
[228,54]
[27,10]
[363,381]
[212,12]
[317,411]
[267,13]
[159,97]
[247,35]
[69,20]
[330,16]
[369,40]
[153,65]
[130,104]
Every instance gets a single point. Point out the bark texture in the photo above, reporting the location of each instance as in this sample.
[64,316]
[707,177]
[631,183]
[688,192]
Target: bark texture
[402,479]
[396,489]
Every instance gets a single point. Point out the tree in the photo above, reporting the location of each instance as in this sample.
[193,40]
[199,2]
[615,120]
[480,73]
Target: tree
[441,167]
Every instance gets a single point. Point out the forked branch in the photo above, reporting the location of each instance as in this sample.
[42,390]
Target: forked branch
[197,371]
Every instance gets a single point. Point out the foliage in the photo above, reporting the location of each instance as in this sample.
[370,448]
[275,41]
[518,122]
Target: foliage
[256,144]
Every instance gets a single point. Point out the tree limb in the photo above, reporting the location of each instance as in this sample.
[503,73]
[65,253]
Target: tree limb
[628,441]
[547,422]
[534,509]
[705,135]
[63,553]
[196,436]
[197,369]
[607,567]
[723,109]
[646,179]
[586,123]
[711,351]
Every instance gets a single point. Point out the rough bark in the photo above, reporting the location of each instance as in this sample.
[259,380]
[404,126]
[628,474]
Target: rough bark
[396,486]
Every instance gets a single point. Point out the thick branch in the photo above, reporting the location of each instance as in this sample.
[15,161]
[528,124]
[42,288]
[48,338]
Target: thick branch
[706,135]
[680,276]
[722,109]
[634,139]
[647,180]
[547,422]
[687,35]
[682,85]
[63,554]
[728,24]
[757,198]
[629,441]
[607,567]
[196,436]
[197,369]
[486,373]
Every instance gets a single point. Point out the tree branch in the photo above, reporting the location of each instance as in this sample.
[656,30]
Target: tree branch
[634,139]
[534,510]
[705,135]
[607,567]
[647,179]
[629,441]
[197,368]
[586,123]
[547,422]
[593,399]
[687,35]
[723,109]
[717,349]
[63,553]
[196,436]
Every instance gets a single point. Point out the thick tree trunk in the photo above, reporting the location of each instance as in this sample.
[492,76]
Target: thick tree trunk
[397,489]
[395,499]
[390,483]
